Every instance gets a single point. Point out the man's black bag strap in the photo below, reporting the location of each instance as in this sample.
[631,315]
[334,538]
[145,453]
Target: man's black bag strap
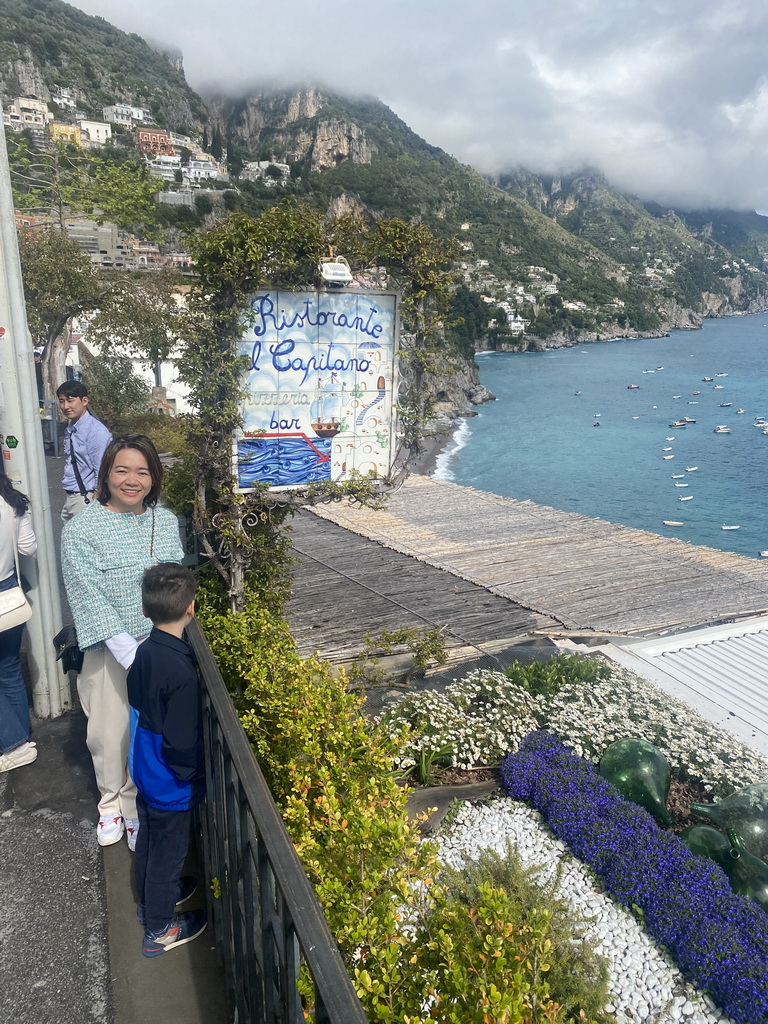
[77,473]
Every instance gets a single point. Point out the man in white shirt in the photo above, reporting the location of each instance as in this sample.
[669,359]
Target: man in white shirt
[85,439]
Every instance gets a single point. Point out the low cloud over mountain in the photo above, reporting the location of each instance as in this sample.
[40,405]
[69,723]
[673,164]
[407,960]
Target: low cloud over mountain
[669,98]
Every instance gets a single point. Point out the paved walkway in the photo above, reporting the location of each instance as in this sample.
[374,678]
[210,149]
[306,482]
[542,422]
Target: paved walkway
[70,947]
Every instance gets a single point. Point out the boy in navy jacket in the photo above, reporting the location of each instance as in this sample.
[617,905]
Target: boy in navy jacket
[166,758]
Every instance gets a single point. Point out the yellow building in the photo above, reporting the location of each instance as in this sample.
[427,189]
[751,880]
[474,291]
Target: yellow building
[64,132]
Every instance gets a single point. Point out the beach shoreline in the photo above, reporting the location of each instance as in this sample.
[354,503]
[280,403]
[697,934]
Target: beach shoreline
[425,463]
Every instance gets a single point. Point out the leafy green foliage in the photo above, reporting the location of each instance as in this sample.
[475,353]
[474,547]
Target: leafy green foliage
[498,930]
[546,678]
[117,392]
[280,248]
[69,181]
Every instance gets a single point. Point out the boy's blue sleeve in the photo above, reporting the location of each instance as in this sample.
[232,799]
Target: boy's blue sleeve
[182,731]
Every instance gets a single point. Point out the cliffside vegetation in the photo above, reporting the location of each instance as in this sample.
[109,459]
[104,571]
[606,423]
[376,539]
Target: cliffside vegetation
[58,45]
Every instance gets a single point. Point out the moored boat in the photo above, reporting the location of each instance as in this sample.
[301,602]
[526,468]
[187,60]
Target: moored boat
[724,527]
[676,522]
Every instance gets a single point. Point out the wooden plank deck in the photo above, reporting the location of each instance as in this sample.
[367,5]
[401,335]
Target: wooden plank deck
[585,574]
[346,585]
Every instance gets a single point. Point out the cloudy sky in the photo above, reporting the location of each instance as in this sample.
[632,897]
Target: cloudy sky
[668,97]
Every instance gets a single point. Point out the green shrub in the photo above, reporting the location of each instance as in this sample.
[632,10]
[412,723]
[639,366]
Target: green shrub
[546,678]
[330,773]
[500,927]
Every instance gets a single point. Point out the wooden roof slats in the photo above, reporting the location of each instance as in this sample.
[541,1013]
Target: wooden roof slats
[584,572]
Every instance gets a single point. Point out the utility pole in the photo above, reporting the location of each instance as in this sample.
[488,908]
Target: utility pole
[23,460]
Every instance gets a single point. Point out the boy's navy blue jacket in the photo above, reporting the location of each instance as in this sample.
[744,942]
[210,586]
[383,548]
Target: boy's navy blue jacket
[166,757]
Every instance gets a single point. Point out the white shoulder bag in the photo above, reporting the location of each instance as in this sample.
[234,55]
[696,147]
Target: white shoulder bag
[15,609]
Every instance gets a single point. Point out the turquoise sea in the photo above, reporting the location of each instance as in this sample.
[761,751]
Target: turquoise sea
[539,441]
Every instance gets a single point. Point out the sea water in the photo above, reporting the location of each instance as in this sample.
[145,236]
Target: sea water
[540,439]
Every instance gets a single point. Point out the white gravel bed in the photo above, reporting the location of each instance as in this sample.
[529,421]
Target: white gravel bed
[644,983]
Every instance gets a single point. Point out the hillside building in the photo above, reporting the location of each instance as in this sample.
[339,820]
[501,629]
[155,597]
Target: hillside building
[27,112]
[256,170]
[68,133]
[64,98]
[153,142]
[126,115]
[94,133]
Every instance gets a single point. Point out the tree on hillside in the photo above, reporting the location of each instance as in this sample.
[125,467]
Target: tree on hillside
[70,182]
[129,315]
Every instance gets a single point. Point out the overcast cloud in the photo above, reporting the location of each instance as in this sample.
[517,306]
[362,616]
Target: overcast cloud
[669,98]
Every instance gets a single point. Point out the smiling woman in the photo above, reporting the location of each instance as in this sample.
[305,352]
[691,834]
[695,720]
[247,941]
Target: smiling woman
[104,552]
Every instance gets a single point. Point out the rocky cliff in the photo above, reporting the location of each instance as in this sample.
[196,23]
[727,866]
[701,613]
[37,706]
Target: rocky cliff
[292,128]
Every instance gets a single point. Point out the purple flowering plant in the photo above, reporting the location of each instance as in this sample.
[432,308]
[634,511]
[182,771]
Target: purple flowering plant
[719,939]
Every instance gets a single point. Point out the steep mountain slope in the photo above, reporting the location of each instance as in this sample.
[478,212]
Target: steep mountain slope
[711,263]
[45,44]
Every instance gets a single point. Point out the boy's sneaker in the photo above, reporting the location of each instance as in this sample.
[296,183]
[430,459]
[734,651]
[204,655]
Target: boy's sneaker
[186,890]
[182,929]
[131,832]
[24,754]
[110,830]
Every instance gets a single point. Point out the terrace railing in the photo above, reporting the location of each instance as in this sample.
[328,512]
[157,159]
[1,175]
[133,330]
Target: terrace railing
[267,920]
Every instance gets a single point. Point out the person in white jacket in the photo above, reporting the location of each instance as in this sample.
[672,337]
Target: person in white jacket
[15,532]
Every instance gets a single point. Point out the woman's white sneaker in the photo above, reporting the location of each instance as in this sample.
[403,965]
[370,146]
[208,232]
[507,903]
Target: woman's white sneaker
[131,832]
[110,830]
[25,754]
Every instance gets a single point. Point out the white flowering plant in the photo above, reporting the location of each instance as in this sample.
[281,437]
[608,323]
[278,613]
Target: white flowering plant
[473,722]
[476,720]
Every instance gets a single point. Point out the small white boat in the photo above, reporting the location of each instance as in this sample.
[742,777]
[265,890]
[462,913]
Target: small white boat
[671,438]
[691,469]
[764,554]
[681,485]
[632,387]
[667,449]
[687,419]
[677,396]
[693,403]
[721,374]
[739,412]
[667,456]
[707,378]
[678,476]
[721,429]
[635,417]
[685,497]
[725,405]
[577,392]
[649,371]
[718,387]
[730,527]
[659,367]
[676,522]
[760,421]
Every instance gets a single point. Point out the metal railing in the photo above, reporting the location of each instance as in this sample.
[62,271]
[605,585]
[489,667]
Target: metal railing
[267,920]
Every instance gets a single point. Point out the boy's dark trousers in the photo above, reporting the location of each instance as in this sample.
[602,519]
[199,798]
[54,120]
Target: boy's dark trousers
[161,849]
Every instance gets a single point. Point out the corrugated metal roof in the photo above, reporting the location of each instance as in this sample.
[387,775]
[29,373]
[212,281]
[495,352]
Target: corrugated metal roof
[721,671]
